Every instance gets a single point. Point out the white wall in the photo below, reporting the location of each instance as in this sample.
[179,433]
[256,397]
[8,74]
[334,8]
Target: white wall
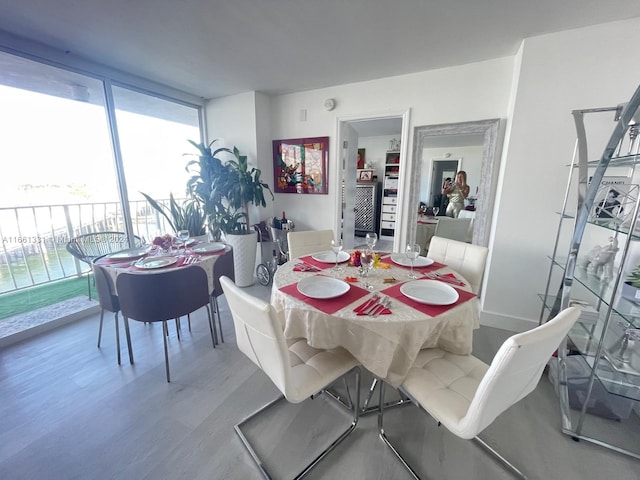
[584,68]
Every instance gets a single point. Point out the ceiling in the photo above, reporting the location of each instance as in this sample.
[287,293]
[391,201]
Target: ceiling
[214,48]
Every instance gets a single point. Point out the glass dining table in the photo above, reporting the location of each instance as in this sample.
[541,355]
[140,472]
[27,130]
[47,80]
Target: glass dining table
[330,308]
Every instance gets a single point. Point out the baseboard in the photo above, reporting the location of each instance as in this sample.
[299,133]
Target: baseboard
[49,325]
[497,320]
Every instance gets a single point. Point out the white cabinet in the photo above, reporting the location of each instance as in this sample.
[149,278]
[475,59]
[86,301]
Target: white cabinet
[390,195]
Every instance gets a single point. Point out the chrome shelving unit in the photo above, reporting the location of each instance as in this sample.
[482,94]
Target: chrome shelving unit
[597,343]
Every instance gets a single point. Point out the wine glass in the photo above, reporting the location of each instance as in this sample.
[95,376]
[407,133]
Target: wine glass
[183,236]
[412,252]
[371,239]
[336,246]
[366,263]
[435,211]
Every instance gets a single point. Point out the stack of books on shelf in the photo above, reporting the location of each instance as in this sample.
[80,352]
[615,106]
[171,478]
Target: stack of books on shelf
[589,314]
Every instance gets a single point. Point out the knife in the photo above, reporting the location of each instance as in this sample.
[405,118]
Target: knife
[375,301]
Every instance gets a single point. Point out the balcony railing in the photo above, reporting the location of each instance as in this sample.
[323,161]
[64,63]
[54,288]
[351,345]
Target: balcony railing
[33,239]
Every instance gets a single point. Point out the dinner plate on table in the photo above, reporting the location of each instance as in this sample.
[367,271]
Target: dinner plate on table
[430,292]
[129,253]
[155,262]
[209,247]
[401,259]
[330,257]
[322,287]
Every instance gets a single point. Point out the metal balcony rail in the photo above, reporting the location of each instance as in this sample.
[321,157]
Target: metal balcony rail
[33,238]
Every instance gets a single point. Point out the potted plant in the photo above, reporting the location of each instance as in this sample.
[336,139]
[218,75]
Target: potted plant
[205,171]
[631,286]
[232,192]
[188,216]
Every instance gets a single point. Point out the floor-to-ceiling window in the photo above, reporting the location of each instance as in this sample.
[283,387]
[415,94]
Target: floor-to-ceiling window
[58,158]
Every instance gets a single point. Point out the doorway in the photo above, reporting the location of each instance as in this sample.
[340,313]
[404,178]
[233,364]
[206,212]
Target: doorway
[373,133]
[441,170]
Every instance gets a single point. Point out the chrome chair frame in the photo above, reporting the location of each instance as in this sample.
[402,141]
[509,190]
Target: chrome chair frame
[326,451]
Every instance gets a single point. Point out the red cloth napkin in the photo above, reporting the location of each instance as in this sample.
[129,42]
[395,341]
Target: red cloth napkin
[360,309]
[312,261]
[305,267]
[430,268]
[431,310]
[453,278]
[329,305]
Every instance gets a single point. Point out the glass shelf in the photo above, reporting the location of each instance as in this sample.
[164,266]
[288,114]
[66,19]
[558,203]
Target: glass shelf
[620,161]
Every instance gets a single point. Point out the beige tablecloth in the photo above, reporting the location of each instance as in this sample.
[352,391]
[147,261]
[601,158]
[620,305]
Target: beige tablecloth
[205,262]
[387,345]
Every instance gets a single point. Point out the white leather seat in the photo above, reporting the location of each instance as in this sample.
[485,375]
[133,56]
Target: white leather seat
[298,370]
[465,258]
[311,241]
[466,395]
[453,228]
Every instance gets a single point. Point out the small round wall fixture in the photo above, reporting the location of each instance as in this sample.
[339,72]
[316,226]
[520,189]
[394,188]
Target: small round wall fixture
[329,104]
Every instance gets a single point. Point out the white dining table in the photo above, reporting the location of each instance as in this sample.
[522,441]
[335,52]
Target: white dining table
[387,345]
[117,267]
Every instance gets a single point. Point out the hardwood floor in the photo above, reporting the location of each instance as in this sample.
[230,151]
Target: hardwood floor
[70,412]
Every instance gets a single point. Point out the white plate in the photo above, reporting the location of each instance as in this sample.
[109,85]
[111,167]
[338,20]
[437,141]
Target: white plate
[209,247]
[401,259]
[431,292]
[330,257]
[155,262]
[129,253]
[322,287]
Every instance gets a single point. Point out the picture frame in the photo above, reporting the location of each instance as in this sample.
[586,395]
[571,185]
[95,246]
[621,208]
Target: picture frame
[361,159]
[300,165]
[365,175]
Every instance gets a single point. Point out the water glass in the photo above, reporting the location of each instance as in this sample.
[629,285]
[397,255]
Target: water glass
[183,236]
[366,264]
[371,239]
[336,246]
[436,210]
[412,252]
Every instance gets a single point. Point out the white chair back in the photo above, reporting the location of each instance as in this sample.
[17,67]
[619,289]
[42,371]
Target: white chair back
[465,258]
[453,228]
[311,241]
[259,334]
[514,372]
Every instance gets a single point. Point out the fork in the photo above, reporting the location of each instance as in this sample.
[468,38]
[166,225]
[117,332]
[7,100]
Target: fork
[379,308]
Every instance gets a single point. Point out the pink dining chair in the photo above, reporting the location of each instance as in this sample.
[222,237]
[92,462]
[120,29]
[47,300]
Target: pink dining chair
[158,297]
[297,370]
[466,395]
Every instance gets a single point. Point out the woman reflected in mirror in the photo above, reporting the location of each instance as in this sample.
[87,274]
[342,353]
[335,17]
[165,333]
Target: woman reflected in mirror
[456,192]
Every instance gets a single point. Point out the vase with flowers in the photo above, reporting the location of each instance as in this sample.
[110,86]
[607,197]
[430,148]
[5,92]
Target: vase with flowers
[164,243]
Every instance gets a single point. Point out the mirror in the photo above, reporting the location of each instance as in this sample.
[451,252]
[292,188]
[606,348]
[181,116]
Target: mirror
[478,141]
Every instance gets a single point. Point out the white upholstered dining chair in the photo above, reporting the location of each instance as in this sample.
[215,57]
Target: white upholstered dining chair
[465,258]
[297,370]
[453,228]
[311,241]
[466,395]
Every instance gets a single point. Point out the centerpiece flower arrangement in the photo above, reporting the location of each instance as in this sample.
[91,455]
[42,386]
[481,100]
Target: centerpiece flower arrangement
[164,242]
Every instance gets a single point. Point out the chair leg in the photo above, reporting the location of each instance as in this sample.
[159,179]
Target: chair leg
[117,336]
[215,301]
[89,285]
[128,335]
[100,327]
[189,321]
[384,438]
[211,325]
[324,453]
[213,321]
[165,332]
[177,328]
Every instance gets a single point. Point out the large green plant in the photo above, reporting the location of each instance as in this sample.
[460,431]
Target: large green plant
[205,170]
[188,216]
[234,189]
[634,277]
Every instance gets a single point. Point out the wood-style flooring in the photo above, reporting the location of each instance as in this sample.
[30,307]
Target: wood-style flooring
[68,411]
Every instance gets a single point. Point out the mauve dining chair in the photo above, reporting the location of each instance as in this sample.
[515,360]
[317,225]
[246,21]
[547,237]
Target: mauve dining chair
[158,297]
[466,395]
[298,370]
[223,266]
[109,301]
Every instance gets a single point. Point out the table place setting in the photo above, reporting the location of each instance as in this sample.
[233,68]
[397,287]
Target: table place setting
[431,297]
[421,264]
[327,294]
[323,260]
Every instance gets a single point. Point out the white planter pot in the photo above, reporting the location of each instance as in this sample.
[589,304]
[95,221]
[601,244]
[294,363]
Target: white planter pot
[244,257]
[630,293]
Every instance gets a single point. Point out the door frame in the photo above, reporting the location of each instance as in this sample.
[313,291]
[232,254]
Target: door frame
[436,182]
[404,115]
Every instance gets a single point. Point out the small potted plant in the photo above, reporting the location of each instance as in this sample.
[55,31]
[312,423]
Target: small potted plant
[188,216]
[631,286]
